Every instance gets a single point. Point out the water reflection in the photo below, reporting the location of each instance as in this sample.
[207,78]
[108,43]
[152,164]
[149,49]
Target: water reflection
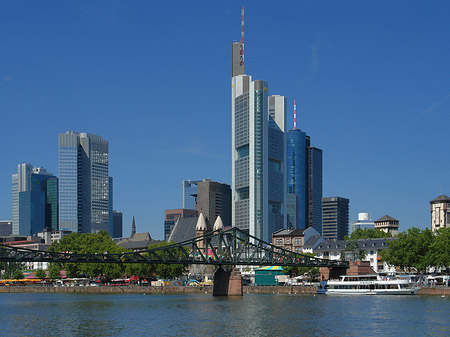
[200,315]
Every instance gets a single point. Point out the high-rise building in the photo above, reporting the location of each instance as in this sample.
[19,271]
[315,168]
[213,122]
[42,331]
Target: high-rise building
[214,199]
[83,182]
[117,231]
[304,180]
[258,157]
[189,194]
[297,178]
[335,218]
[34,200]
[315,176]
[258,151]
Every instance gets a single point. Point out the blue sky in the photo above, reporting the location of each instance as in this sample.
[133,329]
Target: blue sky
[371,79]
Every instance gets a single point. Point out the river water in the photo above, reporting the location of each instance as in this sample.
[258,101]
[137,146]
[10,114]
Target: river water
[44,314]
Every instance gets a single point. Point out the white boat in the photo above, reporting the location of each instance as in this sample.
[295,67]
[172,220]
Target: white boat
[367,285]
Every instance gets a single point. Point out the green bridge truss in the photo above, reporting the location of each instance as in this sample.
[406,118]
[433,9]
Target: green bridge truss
[230,247]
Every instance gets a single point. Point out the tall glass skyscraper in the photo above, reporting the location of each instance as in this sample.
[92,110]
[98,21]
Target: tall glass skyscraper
[258,157]
[33,200]
[304,179]
[189,194]
[83,166]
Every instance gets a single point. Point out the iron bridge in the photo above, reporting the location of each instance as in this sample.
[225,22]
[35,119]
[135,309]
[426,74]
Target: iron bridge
[229,247]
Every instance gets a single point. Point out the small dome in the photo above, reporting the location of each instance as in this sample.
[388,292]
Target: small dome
[201,223]
[218,225]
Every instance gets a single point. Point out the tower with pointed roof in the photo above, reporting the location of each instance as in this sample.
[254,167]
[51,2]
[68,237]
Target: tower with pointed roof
[133,228]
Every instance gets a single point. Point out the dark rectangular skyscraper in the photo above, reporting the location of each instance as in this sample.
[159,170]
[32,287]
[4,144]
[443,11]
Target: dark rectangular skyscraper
[335,218]
[315,188]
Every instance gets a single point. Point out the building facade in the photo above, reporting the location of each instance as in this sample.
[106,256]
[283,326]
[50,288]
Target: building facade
[5,228]
[387,224]
[440,212]
[34,203]
[117,231]
[172,215]
[213,200]
[315,188]
[84,189]
[189,194]
[334,218]
[258,158]
[364,222]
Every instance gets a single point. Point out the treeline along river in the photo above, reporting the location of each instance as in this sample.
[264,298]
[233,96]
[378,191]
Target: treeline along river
[58,314]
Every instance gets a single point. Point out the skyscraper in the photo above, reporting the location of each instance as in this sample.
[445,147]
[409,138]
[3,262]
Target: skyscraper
[335,218]
[315,188]
[34,204]
[304,180]
[214,199]
[258,157]
[83,182]
[189,194]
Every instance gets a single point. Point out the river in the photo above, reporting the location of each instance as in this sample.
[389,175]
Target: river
[43,314]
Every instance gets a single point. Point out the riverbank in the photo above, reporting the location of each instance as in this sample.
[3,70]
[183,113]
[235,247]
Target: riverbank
[293,290]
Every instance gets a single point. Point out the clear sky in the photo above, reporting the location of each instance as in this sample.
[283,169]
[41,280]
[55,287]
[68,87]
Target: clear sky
[371,79]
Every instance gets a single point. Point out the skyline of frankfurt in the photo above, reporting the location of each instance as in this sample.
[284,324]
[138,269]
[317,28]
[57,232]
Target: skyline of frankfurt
[371,82]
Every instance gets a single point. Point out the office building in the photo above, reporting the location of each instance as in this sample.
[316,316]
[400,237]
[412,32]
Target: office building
[117,231]
[258,152]
[304,179]
[172,215]
[83,182]
[34,203]
[387,224]
[189,194]
[5,228]
[258,157]
[213,200]
[440,212]
[364,222]
[315,176]
[334,218]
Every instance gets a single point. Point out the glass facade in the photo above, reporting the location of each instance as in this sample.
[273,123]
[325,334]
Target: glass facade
[84,193]
[315,189]
[297,173]
[189,194]
[34,198]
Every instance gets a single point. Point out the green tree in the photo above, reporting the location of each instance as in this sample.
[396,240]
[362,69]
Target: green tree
[90,243]
[438,255]
[54,271]
[9,268]
[367,233]
[17,275]
[168,271]
[40,274]
[410,250]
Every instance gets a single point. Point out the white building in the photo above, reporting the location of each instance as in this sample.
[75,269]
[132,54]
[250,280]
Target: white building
[440,212]
[337,249]
[364,221]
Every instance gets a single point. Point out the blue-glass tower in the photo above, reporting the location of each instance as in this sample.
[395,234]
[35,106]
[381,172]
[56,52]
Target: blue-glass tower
[297,177]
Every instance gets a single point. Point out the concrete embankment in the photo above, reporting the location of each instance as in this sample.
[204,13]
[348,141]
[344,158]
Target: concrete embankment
[294,290]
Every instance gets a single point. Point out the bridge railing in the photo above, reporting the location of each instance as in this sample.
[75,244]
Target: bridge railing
[229,247]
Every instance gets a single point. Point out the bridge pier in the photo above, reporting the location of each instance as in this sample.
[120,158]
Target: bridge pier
[227,283]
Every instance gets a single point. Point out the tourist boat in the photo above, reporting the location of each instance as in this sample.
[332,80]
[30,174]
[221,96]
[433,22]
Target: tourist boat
[367,285]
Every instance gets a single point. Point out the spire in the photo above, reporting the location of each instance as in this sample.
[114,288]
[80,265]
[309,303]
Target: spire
[201,223]
[133,228]
[242,38]
[218,225]
[295,114]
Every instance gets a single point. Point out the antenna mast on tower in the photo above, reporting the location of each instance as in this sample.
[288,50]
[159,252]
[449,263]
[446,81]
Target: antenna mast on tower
[242,38]
[295,114]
